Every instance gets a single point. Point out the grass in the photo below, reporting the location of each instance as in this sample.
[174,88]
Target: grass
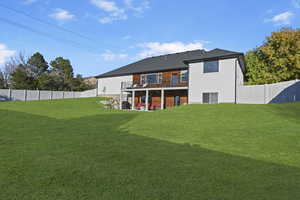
[74,149]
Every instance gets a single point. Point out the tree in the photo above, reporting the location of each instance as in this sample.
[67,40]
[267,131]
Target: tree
[63,70]
[38,68]
[47,82]
[38,64]
[10,67]
[21,79]
[79,84]
[278,59]
[2,83]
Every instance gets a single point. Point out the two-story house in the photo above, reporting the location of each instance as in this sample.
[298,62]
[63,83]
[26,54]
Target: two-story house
[190,77]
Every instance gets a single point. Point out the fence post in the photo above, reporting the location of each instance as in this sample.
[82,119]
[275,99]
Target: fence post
[25,95]
[9,94]
[51,95]
[265,101]
[39,95]
[73,95]
[63,95]
[295,96]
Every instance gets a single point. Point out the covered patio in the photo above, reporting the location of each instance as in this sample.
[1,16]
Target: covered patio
[157,98]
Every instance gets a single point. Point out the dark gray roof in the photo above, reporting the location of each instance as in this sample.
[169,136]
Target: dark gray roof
[169,62]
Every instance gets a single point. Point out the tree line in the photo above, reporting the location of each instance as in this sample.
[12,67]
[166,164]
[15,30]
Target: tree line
[36,73]
[276,60]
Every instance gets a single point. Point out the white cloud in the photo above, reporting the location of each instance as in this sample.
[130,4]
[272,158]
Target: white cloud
[110,56]
[62,15]
[145,4]
[282,18]
[5,53]
[296,3]
[115,12]
[156,48]
[110,7]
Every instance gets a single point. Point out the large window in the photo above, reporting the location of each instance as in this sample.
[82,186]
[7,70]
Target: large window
[210,98]
[184,76]
[151,78]
[211,66]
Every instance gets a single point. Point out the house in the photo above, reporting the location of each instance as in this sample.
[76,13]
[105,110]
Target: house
[165,81]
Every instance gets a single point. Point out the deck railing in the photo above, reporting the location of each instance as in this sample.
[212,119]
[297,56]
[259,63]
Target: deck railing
[165,83]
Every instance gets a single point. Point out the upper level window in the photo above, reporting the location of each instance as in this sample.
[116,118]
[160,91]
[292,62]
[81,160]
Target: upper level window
[184,76]
[211,66]
[151,78]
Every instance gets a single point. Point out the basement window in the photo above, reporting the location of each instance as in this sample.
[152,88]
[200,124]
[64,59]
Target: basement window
[210,98]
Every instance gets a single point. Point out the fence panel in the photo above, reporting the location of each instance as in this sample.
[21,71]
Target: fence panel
[68,95]
[4,95]
[77,94]
[45,95]
[281,92]
[288,91]
[32,95]
[57,95]
[18,95]
[251,94]
[89,93]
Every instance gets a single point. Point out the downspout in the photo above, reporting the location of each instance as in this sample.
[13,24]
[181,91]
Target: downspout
[235,82]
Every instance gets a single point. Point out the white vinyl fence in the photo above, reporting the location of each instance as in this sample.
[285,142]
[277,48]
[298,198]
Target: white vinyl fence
[34,95]
[288,91]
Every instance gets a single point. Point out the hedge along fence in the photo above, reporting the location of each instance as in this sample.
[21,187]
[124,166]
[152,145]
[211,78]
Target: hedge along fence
[35,95]
[288,91]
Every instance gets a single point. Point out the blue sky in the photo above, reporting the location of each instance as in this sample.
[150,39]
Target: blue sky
[112,33]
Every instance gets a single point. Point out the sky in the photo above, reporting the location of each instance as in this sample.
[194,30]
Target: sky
[100,35]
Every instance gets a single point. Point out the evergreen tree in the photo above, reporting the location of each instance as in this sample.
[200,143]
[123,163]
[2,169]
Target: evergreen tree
[21,79]
[79,84]
[63,70]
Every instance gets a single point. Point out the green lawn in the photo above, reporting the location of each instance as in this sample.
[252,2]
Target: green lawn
[74,149]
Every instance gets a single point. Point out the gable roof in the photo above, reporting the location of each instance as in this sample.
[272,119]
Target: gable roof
[169,62]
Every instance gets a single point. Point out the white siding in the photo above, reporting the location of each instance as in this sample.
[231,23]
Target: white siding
[222,82]
[112,85]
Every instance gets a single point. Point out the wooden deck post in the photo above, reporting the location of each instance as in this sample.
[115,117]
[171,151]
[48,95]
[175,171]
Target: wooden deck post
[147,100]
[162,99]
[132,100]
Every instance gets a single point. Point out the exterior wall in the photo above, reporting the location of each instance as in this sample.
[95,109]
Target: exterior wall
[222,82]
[112,85]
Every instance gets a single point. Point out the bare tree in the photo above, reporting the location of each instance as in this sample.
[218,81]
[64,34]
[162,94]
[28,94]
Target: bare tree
[11,65]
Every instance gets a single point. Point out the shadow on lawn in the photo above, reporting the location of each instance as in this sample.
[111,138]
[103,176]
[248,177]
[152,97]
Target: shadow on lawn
[91,158]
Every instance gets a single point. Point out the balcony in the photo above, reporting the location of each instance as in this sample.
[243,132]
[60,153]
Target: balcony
[165,83]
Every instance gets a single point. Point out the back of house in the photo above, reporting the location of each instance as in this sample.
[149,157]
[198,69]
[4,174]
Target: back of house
[165,81]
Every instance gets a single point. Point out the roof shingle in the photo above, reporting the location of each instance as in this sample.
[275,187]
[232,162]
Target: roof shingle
[168,62]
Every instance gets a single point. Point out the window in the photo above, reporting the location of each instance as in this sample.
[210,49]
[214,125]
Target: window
[184,76]
[210,98]
[211,66]
[151,78]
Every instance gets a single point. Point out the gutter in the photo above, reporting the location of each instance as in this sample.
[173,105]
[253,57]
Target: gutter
[235,81]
